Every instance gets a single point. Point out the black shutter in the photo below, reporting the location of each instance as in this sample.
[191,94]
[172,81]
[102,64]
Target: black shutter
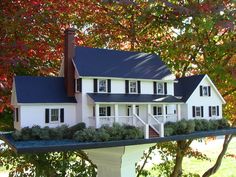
[62,115]
[139,87]
[126,86]
[79,84]
[165,88]
[109,85]
[17,114]
[95,85]
[154,87]
[46,115]
[200,90]
[166,109]
[193,110]
[209,91]
[154,110]
[202,113]
[218,111]
[108,111]
[209,111]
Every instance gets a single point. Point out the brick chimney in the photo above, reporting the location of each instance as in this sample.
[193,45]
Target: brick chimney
[69,53]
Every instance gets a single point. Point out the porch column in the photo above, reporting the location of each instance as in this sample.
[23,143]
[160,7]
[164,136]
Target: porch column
[116,113]
[97,118]
[164,112]
[148,112]
[178,112]
[133,112]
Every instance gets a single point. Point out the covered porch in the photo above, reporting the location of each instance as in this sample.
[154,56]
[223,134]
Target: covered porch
[146,115]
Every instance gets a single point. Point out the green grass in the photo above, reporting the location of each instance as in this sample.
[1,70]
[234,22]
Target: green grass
[192,165]
[227,168]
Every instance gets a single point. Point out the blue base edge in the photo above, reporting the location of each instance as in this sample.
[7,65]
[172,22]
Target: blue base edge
[38,146]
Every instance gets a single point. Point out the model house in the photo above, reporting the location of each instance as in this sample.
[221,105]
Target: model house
[101,86]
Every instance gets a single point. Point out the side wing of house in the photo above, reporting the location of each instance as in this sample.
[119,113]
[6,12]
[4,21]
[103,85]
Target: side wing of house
[205,101]
[42,101]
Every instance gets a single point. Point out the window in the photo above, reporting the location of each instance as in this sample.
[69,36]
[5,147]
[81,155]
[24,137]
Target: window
[205,91]
[105,111]
[132,87]
[157,110]
[198,111]
[213,110]
[160,88]
[54,116]
[102,85]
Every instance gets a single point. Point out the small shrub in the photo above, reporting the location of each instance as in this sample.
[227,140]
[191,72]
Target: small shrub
[198,125]
[26,133]
[223,123]
[181,127]
[131,132]
[102,135]
[205,125]
[17,135]
[190,126]
[168,131]
[75,128]
[87,134]
[35,132]
[213,124]
[45,133]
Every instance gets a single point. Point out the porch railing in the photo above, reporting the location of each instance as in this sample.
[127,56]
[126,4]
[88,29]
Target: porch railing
[138,122]
[166,118]
[156,125]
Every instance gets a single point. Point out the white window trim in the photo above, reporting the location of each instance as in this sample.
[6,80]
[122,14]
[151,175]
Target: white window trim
[50,115]
[106,85]
[162,84]
[206,91]
[136,87]
[199,111]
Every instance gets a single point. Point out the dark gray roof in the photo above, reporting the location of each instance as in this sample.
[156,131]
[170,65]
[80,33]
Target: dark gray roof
[186,86]
[31,89]
[103,97]
[121,64]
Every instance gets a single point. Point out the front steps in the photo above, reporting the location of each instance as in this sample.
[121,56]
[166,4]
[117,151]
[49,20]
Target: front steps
[153,133]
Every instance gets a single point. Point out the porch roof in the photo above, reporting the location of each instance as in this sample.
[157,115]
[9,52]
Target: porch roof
[104,97]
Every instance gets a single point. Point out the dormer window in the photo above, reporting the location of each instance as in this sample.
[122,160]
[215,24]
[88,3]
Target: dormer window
[160,88]
[102,85]
[132,86]
[205,90]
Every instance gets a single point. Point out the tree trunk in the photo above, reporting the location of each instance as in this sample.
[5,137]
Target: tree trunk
[217,164]
[182,146]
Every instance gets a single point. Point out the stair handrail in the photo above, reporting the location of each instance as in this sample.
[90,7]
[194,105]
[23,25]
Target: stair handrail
[145,125]
[137,117]
[161,125]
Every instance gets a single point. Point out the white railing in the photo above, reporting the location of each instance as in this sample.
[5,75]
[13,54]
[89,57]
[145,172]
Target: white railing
[166,118]
[106,120]
[138,122]
[128,120]
[156,125]
[92,121]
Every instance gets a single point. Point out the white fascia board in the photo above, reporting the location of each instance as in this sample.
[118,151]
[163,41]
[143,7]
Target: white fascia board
[76,70]
[13,94]
[139,103]
[119,78]
[169,77]
[43,104]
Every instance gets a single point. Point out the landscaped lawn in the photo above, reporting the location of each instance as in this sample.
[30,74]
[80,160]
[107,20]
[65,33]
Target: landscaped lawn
[211,149]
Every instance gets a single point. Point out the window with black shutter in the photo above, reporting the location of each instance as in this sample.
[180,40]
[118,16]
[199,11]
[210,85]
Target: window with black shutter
[95,85]
[165,88]
[200,90]
[109,85]
[79,85]
[193,111]
[139,86]
[154,110]
[17,114]
[108,111]
[46,115]
[218,110]
[209,91]
[154,87]
[126,86]
[61,115]
[202,111]
[209,111]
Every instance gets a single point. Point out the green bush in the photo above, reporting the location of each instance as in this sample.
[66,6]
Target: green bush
[35,132]
[223,124]
[168,131]
[75,128]
[45,133]
[88,134]
[26,133]
[213,124]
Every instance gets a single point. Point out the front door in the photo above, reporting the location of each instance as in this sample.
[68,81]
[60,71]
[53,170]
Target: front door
[129,110]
